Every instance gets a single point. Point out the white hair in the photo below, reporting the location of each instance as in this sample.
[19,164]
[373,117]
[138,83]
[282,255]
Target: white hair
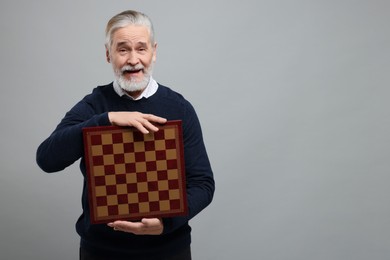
[124,19]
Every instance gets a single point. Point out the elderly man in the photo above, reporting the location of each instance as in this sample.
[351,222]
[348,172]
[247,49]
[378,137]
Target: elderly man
[134,99]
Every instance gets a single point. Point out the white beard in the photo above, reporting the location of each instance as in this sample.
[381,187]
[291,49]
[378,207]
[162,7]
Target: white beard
[131,85]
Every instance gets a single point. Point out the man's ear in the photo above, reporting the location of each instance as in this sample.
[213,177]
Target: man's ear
[154,52]
[107,55]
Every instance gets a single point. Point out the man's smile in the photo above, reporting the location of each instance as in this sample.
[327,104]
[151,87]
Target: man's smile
[132,72]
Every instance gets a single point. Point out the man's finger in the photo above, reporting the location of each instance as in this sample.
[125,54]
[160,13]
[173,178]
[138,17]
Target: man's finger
[154,118]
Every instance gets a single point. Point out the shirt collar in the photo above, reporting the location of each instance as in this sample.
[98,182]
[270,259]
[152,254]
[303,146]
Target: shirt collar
[150,89]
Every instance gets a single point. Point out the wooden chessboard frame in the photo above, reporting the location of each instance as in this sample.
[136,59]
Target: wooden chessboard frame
[131,176]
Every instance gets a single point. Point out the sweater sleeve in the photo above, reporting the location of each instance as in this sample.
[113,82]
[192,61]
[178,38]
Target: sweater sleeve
[65,146]
[199,175]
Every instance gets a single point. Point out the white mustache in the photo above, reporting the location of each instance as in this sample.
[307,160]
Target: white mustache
[132,68]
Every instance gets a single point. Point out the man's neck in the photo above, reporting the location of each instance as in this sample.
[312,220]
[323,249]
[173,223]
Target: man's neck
[135,94]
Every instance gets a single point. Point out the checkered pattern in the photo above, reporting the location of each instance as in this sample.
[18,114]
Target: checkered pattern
[132,175]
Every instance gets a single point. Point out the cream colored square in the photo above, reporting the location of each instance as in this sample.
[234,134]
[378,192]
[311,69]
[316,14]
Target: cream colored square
[159,144]
[142,187]
[123,209]
[120,168]
[152,176]
[110,179]
[121,189]
[98,170]
[102,211]
[164,205]
[108,159]
[131,178]
[149,137]
[139,147]
[150,156]
[161,165]
[106,139]
[169,133]
[171,154]
[96,150]
[153,196]
[112,200]
[100,191]
[163,185]
[144,207]
[173,174]
[127,137]
[140,167]
[129,158]
[132,198]
[174,194]
[118,148]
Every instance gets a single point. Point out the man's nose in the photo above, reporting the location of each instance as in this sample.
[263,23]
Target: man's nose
[132,59]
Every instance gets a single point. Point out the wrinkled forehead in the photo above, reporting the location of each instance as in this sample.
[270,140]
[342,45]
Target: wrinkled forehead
[131,35]
[130,30]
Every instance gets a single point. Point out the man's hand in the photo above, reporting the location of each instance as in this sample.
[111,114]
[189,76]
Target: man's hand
[143,122]
[147,226]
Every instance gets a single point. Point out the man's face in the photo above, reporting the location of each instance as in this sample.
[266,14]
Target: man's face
[132,56]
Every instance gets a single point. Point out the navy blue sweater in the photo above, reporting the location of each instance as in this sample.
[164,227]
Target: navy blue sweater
[65,146]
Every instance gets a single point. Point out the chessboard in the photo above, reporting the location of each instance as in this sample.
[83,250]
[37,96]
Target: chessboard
[131,175]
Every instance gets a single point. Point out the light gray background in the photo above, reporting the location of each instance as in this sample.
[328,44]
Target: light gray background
[293,97]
